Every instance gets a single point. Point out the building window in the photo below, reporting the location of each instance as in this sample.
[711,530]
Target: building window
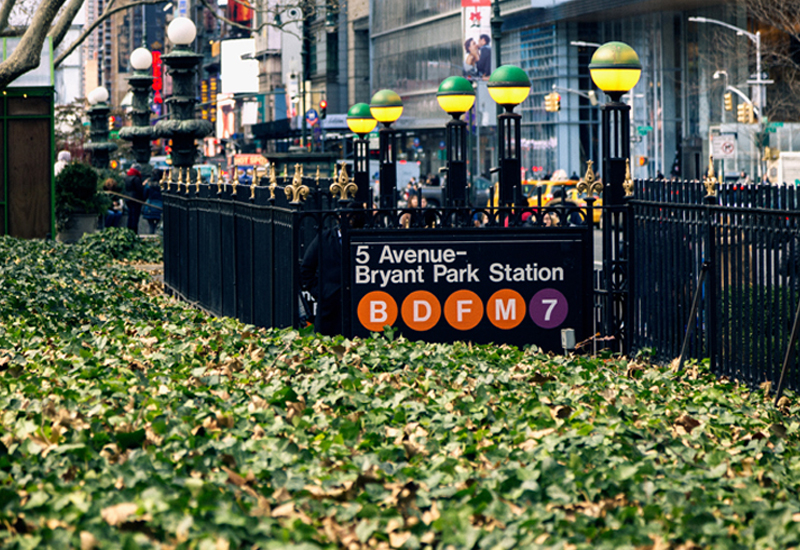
[332,54]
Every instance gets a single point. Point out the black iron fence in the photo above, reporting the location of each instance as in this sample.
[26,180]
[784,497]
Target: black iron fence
[238,250]
[717,274]
[735,256]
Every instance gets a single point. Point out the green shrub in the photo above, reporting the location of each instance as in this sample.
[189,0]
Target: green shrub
[120,243]
[78,192]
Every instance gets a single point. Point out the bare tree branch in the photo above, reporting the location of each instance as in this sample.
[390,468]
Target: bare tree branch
[5,12]
[27,55]
[60,29]
[96,23]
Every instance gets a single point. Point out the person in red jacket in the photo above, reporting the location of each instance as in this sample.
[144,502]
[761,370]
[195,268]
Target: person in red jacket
[135,190]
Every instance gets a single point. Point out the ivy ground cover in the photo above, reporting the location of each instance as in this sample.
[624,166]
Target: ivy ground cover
[128,420]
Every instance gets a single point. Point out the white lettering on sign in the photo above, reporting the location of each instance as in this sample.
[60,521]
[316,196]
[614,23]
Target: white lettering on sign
[530,272]
[411,256]
[509,311]
[467,274]
[377,312]
[461,309]
[382,277]
[418,318]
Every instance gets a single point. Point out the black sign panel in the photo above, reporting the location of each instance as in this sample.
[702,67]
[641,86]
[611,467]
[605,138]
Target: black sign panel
[480,286]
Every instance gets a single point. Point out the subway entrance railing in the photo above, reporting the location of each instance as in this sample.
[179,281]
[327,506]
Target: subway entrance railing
[273,252]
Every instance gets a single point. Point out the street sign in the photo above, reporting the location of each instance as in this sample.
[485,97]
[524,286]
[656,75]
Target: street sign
[464,286]
[724,146]
[312,117]
[643,130]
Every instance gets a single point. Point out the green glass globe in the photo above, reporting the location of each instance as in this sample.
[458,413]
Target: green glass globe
[360,119]
[386,106]
[509,86]
[615,68]
[456,95]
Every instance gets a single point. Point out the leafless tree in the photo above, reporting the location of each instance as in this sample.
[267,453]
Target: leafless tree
[780,49]
[54,17]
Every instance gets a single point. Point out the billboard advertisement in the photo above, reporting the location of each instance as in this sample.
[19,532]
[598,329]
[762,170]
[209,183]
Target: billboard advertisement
[476,38]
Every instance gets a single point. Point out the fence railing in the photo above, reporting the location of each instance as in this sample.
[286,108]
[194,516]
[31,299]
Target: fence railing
[747,237]
[237,250]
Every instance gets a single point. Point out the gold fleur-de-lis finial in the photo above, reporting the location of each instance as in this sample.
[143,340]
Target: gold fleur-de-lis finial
[220,180]
[254,183]
[234,180]
[297,191]
[343,185]
[710,181]
[181,182]
[590,184]
[163,182]
[273,181]
[316,179]
[197,182]
[627,183]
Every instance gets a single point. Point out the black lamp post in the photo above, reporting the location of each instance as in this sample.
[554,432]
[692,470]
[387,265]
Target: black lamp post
[509,86]
[386,106]
[100,147]
[361,123]
[456,96]
[615,69]
[141,132]
[182,128]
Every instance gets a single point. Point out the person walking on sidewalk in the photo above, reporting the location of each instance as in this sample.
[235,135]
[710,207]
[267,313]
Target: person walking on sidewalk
[134,189]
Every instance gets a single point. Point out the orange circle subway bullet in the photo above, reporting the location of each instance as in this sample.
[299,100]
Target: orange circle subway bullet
[421,310]
[463,310]
[376,310]
[505,309]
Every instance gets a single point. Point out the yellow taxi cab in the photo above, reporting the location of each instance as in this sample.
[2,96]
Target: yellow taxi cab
[550,190]
[530,190]
[556,190]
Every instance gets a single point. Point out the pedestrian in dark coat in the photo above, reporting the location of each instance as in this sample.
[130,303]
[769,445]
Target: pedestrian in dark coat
[321,274]
[134,189]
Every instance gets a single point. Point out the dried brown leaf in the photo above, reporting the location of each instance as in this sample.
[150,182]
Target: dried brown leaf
[119,513]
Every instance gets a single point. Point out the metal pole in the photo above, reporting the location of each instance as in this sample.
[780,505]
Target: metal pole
[496,23]
[361,172]
[388,168]
[456,163]
[616,157]
[477,129]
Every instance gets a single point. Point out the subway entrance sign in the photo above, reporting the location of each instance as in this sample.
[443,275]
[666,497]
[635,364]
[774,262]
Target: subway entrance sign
[480,286]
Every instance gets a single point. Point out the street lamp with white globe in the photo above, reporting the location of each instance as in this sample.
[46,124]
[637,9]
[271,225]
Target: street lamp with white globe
[181,126]
[140,133]
[98,112]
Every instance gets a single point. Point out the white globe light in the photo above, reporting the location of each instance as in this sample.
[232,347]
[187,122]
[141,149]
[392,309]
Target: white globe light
[98,95]
[181,31]
[141,59]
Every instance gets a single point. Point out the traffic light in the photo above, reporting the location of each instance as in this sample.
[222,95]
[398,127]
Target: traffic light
[552,102]
[323,109]
[111,121]
[745,113]
[729,101]
[741,113]
[642,161]
[751,116]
